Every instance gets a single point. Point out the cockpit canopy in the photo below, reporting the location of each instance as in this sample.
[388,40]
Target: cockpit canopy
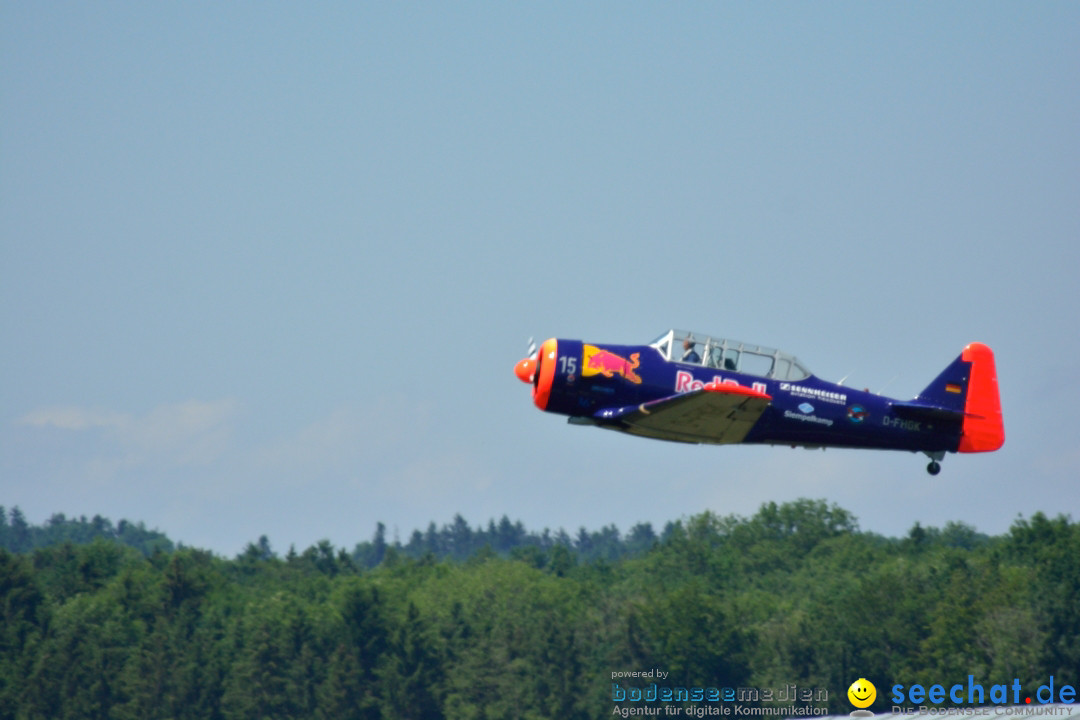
[691,348]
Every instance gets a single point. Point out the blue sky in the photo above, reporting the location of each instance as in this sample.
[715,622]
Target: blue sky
[266,268]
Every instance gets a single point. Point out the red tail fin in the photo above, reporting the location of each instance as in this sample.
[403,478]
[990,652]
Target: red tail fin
[984,430]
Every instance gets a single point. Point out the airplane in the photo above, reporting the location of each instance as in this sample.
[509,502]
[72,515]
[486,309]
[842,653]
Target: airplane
[693,388]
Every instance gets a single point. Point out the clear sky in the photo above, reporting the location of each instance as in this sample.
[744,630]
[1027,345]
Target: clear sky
[265,268]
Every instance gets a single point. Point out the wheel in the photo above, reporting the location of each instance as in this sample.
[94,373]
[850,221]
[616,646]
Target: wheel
[934,467]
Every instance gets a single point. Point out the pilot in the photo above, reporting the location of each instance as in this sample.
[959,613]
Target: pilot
[689,353]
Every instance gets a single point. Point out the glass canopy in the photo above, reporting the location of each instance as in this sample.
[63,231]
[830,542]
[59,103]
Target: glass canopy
[692,348]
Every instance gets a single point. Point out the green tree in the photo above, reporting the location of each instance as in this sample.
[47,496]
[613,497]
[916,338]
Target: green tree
[23,617]
[412,675]
[1051,548]
[258,686]
[692,633]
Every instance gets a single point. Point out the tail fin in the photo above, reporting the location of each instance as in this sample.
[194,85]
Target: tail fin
[969,385]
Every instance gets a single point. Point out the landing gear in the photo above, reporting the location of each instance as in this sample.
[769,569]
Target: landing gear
[934,467]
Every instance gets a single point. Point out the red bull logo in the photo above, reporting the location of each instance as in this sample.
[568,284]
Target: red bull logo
[608,364]
[686,382]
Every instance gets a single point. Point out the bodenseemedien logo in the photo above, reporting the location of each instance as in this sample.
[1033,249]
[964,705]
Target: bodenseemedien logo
[862,694]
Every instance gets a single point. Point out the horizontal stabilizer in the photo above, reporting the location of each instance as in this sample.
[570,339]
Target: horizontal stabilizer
[921,411]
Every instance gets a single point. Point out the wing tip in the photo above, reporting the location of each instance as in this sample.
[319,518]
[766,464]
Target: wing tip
[732,389]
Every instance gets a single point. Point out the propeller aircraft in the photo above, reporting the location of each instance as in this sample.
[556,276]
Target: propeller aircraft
[693,388]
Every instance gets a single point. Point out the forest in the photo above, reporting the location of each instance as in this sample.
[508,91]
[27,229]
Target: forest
[116,621]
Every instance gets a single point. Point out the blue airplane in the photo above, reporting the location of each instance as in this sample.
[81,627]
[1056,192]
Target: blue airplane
[694,388]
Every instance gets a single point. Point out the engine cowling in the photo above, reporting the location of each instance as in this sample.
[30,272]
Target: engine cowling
[539,369]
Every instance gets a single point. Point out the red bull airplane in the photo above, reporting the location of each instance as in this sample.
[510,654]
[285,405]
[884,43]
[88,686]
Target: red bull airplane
[688,387]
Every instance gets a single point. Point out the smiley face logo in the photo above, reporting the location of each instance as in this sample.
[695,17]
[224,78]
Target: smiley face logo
[862,693]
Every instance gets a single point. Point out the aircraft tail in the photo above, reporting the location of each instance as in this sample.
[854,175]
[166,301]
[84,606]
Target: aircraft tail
[969,386]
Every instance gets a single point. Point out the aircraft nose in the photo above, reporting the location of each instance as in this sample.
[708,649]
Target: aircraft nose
[525,369]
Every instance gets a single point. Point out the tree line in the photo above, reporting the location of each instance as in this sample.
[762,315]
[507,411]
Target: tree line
[19,536]
[459,541]
[497,622]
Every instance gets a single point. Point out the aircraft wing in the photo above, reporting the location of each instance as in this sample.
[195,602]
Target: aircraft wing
[718,414]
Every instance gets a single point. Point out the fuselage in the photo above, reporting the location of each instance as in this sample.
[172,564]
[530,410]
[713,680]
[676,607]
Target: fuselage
[581,380]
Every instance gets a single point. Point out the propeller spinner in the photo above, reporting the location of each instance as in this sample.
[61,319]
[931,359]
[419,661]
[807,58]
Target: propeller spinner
[525,369]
